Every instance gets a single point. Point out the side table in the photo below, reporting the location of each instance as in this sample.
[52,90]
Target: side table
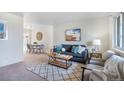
[94,56]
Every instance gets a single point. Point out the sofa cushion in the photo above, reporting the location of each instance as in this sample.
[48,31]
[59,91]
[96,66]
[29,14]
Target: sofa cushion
[107,54]
[67,53]
[113,62]
[78,55]
[97,62]
[73,54]
[78,59]
[114,68]
[91,66]
[88,72]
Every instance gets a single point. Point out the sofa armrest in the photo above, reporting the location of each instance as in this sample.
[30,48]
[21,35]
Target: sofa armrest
[85,54]
[83,68]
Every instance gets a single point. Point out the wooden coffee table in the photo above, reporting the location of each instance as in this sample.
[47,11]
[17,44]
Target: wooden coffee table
[60,60]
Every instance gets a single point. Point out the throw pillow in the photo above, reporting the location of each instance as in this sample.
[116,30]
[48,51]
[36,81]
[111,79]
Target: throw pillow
[76,50]
[59,48]
[81,49]
[73,48]
[107,54]
[63,49]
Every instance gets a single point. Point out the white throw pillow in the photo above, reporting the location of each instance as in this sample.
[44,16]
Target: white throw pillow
[81,49]
[63,49]
[107,54]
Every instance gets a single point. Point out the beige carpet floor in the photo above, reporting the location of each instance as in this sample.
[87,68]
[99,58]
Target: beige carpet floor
[18,71]
[53,73]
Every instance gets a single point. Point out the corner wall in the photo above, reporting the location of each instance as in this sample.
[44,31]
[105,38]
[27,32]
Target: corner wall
[11,50]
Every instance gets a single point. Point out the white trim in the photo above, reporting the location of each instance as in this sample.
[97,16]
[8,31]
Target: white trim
[115,32]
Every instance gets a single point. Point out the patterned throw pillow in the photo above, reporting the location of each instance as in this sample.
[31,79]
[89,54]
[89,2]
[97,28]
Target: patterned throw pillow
[73,48]
[59,48]
[76,50]
[81,49]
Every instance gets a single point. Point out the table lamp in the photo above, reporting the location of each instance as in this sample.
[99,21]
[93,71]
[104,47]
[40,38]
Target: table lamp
[96,44]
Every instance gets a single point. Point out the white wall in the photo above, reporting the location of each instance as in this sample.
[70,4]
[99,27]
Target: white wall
[11,50]
[111,20]
[59,32]
[90,30]
[47,31]
[26,39]
[98,29]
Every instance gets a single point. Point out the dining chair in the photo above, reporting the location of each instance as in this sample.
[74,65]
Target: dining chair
[34,48]
[29,48]
[40,49]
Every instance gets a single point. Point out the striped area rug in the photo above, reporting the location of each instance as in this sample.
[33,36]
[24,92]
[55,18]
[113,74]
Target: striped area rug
[52,73]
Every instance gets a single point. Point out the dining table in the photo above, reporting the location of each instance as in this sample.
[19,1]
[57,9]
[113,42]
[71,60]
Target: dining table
[36,48]
[35,45]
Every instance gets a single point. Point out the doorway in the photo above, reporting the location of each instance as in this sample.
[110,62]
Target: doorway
[27,39]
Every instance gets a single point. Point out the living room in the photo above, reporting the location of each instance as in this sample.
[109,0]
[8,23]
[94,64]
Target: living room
[98,23]
[36,35]
[97,27]
[92,32]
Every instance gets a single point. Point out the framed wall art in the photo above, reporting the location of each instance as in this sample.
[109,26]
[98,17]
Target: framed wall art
[73,34]
[3,30]
[39,36]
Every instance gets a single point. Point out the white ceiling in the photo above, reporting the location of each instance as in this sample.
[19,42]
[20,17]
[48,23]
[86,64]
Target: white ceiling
[17,13]
[50,18]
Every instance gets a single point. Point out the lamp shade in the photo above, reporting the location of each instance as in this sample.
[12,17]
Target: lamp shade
[96,42]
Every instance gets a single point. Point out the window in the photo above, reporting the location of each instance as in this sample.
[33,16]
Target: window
[119,33]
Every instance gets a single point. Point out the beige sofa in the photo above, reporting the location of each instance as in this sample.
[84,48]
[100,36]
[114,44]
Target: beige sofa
[110,67]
